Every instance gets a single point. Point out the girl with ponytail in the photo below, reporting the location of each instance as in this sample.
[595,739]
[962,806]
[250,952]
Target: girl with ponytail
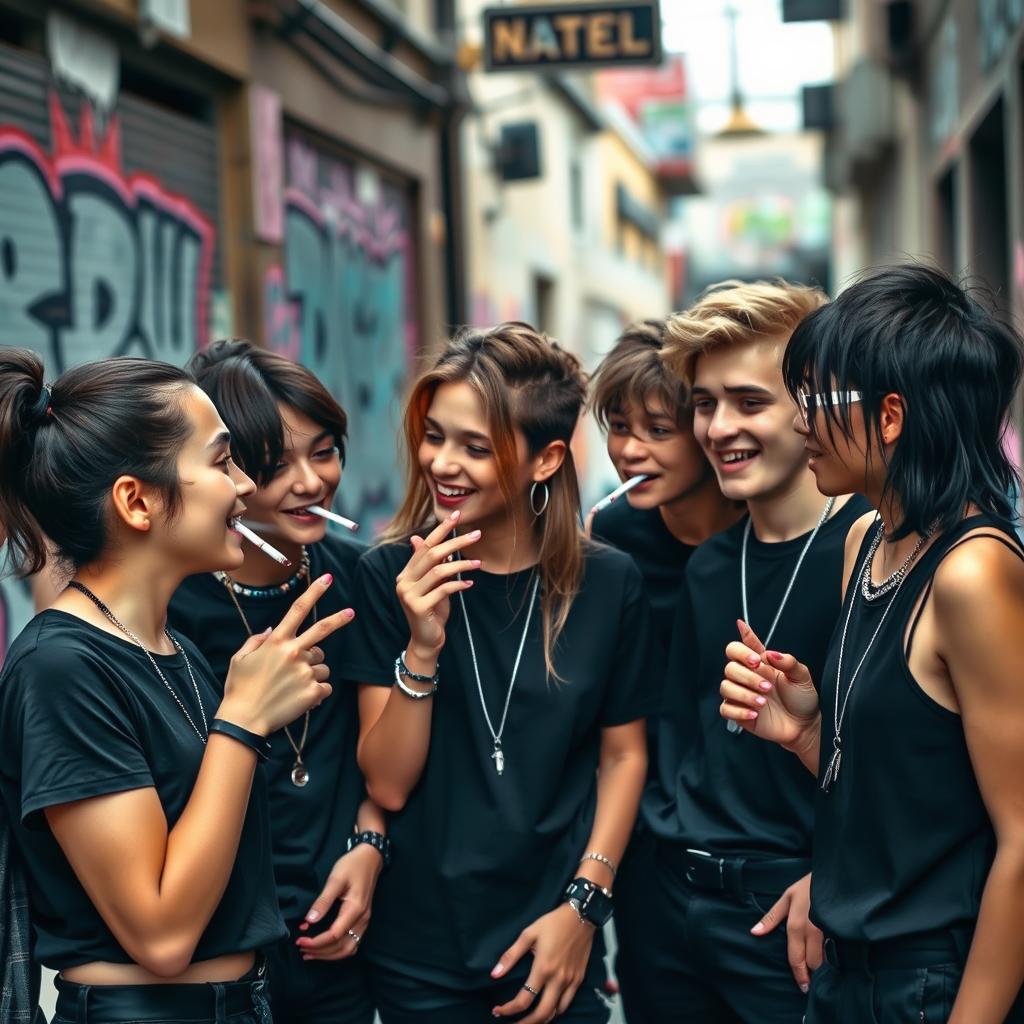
[127,772]
[503,687]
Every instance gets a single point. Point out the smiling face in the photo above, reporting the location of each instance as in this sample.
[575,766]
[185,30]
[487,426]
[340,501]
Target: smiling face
[213,492]
[743,419]
[458,461]
[646,440]
[308,474]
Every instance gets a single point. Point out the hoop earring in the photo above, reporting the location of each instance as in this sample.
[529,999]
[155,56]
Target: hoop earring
[538,512]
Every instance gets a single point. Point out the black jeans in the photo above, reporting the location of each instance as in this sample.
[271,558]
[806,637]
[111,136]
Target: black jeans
[688,953]
[402,999]
[231,1002]
[913,984]
[317,991]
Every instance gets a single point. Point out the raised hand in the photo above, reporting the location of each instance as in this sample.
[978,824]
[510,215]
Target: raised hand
[769,694]
[280,673]
[427,582]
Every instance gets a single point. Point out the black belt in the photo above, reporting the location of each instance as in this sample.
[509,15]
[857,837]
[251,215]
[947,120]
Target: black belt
[209,1001]
[923,949]
[737,875]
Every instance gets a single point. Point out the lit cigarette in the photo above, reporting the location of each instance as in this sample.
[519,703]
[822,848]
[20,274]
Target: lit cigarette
[334,517]
[259,542]
[618,492]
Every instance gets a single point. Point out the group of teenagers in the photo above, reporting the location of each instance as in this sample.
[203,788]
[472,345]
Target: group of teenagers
[763,712]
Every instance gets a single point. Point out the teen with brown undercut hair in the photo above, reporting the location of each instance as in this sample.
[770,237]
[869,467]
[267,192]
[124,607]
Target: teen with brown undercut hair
[128,772]
[644,408]
[504,687]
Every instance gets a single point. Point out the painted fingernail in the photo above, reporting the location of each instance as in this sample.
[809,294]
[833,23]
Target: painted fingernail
[774,655]
[497,970]
[476,563]
[753,661]
[313,916]
[455,515]
[757,929]
[751,714]
[764,685]
[761,701]
[474,534]
[349,613]
[805,988]
[327,579]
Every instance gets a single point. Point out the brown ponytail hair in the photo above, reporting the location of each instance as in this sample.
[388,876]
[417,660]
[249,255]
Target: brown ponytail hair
[60,455]
[527,382]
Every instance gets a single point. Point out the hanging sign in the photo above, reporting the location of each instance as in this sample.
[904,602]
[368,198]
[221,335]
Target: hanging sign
[571,35]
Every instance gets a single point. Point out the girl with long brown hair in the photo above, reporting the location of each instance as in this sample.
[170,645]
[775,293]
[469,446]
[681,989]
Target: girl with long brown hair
[503,689]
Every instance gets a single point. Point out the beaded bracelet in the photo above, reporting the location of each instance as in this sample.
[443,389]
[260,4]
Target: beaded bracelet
[416,677]
[601,859]
[408,690]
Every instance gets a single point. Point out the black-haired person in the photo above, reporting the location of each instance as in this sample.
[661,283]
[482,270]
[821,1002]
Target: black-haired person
[130,778]
[914,731]
[288,433]
[516,778]
[729,938]
[645,410]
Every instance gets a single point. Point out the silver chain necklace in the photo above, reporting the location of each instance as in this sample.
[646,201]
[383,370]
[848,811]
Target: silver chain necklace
[82,588]
[300,772]
[735,727]
[872,592]
[499,756]
[839,709]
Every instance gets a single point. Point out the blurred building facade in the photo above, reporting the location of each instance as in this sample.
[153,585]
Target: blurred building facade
[925,136]
[565,199]
[282,170]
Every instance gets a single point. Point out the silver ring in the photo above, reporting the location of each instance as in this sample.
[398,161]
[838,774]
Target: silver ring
[533,992]
[352,935]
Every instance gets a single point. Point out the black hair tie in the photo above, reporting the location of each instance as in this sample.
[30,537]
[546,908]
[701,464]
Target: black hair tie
[41,408]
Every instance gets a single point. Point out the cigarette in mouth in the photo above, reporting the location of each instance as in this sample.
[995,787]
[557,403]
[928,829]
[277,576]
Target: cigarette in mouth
[259,542]
[618,492]
[333,517]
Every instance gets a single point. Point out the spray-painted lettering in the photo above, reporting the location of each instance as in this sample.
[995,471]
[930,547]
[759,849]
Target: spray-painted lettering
[348,313]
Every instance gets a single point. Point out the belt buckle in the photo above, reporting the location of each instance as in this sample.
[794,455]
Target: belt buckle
[709,858]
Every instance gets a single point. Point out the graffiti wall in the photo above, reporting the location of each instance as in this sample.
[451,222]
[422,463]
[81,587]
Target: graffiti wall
[342,303]
[93,263]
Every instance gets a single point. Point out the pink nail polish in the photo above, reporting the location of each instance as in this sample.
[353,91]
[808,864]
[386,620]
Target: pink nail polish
[753,661]
[761,701]
[764,685]
[751,714]
[327,579]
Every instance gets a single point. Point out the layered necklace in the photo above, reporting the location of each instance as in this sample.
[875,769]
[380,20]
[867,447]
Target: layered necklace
[735,727]
[300,772]
[870,592]
[498,756]
[83,589]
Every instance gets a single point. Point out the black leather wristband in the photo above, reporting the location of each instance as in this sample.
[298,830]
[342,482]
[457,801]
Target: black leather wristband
[377,840]
[590,901]
[260,744]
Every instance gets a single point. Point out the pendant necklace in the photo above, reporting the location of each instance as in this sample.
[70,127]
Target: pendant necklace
[299,773]
[82,588]
[735,727]
[892,583]
[499,756]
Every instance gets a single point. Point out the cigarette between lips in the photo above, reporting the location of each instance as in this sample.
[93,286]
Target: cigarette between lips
[259,542]
[618,492]
[334,517]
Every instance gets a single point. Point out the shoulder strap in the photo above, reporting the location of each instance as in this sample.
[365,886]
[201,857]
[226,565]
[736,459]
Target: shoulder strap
[1013,545]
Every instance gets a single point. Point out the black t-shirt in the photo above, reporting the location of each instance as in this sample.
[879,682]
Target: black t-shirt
[309,824]
[479,856]
[660,557]
[83,714]
[702,794]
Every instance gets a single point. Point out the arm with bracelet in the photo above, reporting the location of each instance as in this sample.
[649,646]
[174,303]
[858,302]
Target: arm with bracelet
[395,724]
[352,883]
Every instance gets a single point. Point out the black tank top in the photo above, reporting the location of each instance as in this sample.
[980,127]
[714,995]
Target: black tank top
[902,841]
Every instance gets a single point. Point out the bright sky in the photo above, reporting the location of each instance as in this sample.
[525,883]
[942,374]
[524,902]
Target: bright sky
[775,59]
